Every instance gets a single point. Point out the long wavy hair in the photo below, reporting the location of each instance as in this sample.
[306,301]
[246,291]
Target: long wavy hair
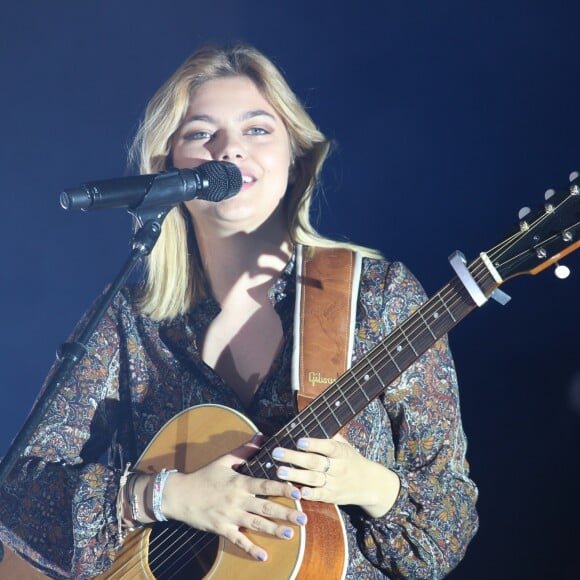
[175,280]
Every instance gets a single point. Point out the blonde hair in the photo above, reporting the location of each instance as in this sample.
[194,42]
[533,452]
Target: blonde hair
[175,280]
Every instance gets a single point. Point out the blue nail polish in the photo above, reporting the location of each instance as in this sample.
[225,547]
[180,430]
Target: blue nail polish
[282,472]
[302,444]
[295,494]
[301,519]
[277,453]
[287,533]
[305,492]
[262,557]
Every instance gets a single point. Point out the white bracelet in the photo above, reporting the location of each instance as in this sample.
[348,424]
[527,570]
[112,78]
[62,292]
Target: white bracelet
[158,487]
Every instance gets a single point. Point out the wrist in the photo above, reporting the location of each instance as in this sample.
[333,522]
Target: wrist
[141,499]
[170,502]
[382,492]
[159,483]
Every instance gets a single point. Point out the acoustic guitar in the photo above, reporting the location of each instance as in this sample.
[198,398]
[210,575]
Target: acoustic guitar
[200,434]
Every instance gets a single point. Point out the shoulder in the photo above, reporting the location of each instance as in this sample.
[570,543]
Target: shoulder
[124,310]
[388,293]
[384,276]
[124,303]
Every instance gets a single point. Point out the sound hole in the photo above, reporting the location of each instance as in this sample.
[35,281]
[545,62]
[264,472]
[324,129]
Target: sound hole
[178,552]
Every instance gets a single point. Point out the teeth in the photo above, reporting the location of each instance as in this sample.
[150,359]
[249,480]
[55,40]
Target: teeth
[247,179]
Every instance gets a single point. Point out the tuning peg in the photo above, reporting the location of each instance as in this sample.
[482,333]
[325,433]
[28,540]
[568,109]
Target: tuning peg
[561,272]
[549,193]
[575,188]
[524,226]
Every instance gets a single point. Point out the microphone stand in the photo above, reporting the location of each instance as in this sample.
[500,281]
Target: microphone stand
[150,215]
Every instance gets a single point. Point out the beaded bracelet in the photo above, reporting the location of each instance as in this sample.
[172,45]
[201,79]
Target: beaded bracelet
[122,523]
[158,487]
[127,519]
[133,502]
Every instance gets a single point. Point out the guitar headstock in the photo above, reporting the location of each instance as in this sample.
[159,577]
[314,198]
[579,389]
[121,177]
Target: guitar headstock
[544,235]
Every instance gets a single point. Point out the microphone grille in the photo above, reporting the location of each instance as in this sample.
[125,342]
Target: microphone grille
[224,179]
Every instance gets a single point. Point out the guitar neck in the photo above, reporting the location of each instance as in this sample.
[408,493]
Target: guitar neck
[372,374]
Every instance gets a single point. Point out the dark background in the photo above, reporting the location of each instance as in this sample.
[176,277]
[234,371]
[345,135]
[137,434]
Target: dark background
[448,117]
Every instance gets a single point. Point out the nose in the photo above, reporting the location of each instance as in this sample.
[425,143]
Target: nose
[228,147]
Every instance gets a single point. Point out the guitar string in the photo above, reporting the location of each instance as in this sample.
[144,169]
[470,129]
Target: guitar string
[478,268]
[163,546]
[156,543]
[573,198]
[181,537]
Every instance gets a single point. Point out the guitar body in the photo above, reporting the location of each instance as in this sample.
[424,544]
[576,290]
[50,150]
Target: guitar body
[189,441]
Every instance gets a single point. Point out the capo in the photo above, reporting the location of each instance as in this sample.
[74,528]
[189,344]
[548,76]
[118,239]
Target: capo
[459,264]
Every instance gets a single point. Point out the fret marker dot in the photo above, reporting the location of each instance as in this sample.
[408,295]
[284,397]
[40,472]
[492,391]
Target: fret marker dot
[399,348]
[293,425]
[366,377]
[268,465]
[337,403]
[436,315]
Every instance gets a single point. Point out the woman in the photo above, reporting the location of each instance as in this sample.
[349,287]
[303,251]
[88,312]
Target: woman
[213,324]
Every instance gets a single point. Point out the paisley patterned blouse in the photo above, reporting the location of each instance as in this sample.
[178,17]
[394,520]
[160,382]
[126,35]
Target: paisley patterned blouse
[58,508]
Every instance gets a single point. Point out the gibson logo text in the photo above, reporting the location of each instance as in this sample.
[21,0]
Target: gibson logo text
[317,378]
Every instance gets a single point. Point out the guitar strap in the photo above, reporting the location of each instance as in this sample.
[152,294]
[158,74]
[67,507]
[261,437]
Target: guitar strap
[327,281]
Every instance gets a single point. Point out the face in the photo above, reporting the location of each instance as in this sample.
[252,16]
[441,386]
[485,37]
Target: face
[229,120]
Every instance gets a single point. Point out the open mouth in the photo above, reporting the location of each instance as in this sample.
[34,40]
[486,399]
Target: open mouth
[247,181]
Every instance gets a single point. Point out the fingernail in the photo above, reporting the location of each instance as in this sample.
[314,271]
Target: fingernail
[305,492]
[301,519]
[261,556]
[302,444]
[288,533]
[295,494]
[282,472]
[257,436]
[277,453]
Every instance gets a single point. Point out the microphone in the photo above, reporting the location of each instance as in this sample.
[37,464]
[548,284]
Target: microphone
[212,181]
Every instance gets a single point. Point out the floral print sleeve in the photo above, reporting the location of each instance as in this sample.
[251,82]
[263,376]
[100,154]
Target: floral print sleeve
[59,504]
[416,431]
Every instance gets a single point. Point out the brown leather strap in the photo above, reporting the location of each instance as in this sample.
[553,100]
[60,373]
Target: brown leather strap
[326,302]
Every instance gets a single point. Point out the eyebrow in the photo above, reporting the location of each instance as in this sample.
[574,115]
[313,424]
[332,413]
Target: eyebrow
[256,113]
[243,117]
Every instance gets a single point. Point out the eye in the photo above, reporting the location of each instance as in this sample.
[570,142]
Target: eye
[257,131]
[196,135]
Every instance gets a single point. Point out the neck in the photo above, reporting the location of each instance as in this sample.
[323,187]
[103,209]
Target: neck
[243,264]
